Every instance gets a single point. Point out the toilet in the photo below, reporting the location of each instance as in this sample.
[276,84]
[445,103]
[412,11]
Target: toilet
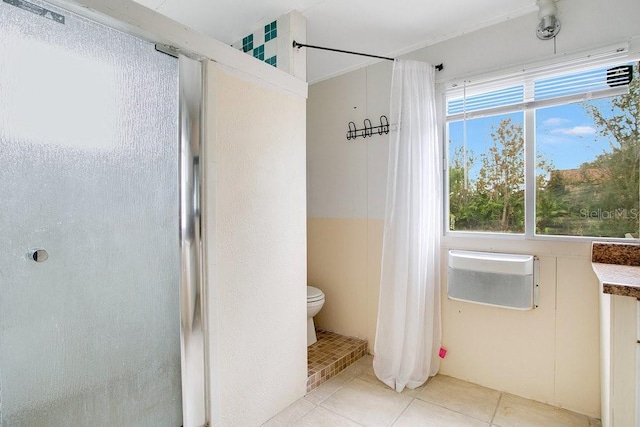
[315,301]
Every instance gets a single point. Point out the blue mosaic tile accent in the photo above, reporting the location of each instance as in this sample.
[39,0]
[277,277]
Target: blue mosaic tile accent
[259,52]
[270,31]
[247,43]
[259,44]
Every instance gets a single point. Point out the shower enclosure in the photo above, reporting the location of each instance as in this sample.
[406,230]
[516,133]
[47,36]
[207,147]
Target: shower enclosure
[100,316]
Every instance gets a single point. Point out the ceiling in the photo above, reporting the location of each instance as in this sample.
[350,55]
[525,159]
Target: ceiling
[379,27]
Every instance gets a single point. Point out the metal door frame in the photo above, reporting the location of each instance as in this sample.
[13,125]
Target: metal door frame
[193,318]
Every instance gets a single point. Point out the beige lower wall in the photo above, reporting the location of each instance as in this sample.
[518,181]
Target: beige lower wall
[500,348]
[550,354]
[343,263]
[577,336]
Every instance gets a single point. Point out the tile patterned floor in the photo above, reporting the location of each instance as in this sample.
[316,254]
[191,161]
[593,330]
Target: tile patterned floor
[355,398]
[331,354]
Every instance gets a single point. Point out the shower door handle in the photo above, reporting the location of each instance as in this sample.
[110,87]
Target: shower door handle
[38,255]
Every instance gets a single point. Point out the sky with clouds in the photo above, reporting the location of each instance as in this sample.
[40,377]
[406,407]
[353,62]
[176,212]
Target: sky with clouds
[565,134]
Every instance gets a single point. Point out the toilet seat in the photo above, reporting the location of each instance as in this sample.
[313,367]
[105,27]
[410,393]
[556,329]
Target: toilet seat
[314,294]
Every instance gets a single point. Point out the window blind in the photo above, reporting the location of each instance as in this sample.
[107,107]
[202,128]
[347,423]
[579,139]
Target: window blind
[541,87]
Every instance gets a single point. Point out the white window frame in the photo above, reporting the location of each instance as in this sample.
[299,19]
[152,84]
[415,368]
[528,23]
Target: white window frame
[609,56]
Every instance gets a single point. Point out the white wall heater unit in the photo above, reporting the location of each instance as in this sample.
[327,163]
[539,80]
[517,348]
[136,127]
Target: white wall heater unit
[501,280]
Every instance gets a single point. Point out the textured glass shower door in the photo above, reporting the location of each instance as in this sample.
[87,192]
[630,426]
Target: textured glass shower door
[89,226]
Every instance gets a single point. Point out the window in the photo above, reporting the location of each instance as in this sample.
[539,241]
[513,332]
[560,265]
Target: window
[546,153]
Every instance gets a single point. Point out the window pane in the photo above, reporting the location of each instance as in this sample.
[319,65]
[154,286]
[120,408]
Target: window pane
[486,174]
[588,167]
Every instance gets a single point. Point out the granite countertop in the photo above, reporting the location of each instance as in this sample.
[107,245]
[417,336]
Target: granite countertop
[617,266]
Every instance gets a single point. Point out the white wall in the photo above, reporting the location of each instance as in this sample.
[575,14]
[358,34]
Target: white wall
[257,269]
[549,354]
[586,24]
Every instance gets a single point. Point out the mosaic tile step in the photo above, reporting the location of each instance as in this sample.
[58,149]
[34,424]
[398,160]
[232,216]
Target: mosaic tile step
[330,355]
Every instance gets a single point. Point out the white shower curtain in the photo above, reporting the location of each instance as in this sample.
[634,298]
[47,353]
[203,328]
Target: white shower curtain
[408,329]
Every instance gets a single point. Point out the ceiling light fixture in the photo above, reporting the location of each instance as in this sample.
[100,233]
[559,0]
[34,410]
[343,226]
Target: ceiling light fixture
[549,25]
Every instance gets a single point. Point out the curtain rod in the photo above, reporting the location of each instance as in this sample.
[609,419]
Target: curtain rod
[438,67]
